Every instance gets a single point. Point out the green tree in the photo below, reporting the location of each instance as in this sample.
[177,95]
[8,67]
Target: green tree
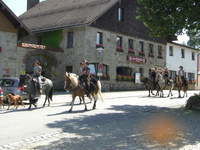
[167,18]
[194,38]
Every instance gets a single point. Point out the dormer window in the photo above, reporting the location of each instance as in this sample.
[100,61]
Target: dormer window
[120,14]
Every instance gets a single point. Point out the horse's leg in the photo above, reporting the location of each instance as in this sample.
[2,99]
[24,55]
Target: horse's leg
[80,99]
[149,93]
[83,99]
[72,103]
[95,100]
[179,93]
[46,97]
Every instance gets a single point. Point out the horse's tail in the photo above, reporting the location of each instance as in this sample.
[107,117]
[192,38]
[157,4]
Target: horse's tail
[99,93]
[51,93]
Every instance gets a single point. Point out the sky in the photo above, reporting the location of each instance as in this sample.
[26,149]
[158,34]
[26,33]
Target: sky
[19,7]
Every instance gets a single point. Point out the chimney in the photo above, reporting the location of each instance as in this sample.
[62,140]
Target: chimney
[32,3]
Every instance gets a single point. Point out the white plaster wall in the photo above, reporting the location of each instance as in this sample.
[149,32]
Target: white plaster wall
[173,62]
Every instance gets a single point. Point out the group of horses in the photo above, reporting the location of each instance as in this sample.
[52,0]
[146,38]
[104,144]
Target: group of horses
[160,84]
[72,84]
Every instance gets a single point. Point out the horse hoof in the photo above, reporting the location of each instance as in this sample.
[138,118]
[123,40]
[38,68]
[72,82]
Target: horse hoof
[70,111]
[94,108]
[86,109]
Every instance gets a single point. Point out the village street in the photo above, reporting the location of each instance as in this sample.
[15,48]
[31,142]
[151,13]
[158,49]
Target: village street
[120,122]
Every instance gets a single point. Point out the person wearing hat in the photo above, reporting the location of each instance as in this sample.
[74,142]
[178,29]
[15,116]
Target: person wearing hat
[166,75]
[84,78]
[181,74]
[153,76]
[37,72]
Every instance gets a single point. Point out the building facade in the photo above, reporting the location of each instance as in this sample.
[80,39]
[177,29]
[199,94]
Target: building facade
[180,55]
[11,29]
[106,33]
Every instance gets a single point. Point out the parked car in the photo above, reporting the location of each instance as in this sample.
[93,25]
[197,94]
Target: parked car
[12,85]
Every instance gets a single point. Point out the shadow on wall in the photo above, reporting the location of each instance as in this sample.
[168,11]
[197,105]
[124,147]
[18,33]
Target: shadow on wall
[129,127]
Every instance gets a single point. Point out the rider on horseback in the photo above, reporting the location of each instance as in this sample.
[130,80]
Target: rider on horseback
[37,72]
[181,75]
[153,76]
[166,75]
[85,76]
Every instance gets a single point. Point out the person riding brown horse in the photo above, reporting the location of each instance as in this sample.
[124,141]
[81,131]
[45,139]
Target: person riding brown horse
[152,76]
[181,75]
[166,75]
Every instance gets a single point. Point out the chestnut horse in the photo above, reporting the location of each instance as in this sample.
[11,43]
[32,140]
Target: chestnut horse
[72,85]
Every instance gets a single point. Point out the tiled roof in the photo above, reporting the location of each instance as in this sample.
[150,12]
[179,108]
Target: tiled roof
[54,14]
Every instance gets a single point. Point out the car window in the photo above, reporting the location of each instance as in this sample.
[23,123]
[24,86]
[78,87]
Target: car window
[7,82]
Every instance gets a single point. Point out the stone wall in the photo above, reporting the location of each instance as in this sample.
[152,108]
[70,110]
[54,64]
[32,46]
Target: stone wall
[8,45]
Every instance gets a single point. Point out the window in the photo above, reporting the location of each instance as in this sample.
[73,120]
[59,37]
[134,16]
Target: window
[95,68]
[182,53]
[151,50]
[172,74]
[160,51]
[130,45]
[124,74]
[120,15]
[171,51]
[191,76]
[141,71]
[141,44]
[193,56]
[70,39]
[119,43]
[99,39]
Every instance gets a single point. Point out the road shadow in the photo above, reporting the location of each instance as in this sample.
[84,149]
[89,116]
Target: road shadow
[127,127]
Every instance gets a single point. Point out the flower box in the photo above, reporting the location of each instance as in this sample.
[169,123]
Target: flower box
[99,46]
[141,53]
[119,49]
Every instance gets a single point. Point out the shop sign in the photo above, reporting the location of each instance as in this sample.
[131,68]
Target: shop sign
[34,46]
[135,59]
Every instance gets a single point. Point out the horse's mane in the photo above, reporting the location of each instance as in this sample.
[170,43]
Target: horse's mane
[73,77]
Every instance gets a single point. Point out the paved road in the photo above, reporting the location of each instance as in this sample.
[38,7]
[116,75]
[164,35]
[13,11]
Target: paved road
[125,120]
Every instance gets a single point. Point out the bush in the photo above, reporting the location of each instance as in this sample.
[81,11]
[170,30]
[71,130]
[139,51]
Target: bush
[193,102]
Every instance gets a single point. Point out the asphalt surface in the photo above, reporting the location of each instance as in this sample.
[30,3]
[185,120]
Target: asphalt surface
[123,121]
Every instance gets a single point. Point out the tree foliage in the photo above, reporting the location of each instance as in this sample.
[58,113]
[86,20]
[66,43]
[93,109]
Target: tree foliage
[166,18]
[194,38]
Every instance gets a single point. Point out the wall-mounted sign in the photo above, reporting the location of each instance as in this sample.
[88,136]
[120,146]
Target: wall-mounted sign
[28,45]
[137,60]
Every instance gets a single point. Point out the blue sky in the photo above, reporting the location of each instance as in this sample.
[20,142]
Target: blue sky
[19,7]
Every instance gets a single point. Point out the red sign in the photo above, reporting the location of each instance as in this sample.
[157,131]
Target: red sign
[135,59]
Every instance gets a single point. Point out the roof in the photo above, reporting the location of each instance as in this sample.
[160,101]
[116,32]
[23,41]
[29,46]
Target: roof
[55,14]
[181,45]
[12,17]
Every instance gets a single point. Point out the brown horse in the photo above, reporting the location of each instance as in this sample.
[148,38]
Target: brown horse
[72,85]
[181,85]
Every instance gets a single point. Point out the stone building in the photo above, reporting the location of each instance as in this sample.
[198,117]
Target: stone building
[11,29]
[105,32]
